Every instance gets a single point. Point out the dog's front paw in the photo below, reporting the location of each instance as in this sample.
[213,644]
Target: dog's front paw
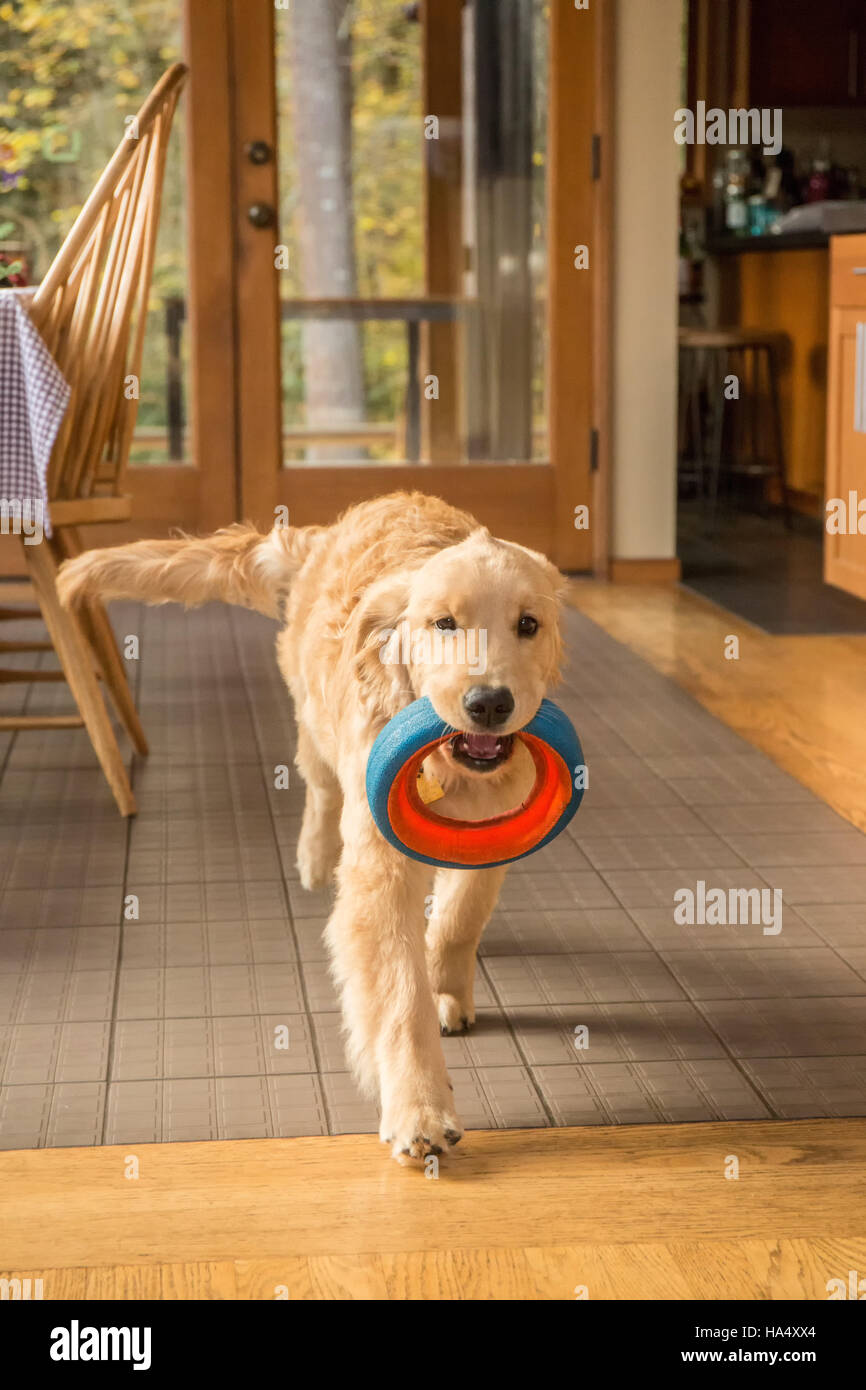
[456,1015]
[420,1132]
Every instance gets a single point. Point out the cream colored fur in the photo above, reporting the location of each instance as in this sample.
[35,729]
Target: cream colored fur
[403,970]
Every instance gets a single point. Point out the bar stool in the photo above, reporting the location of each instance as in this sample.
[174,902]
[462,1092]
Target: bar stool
[755,448]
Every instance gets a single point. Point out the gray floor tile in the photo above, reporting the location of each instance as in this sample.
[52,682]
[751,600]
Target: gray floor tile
[675,1092]
[38,1053]
[626,783]
[789,1027]
[841,925]
[249,942]
[657,887]
[75,906]
[76,1115]
[680,851]
[595,823]
[348,1111]
[819,884]
[809,1087]
[665,934]
[560,930]
[202,991]
[583,979]
[555,890]
[810,817]
[593,1033]
[800,848]
[746,974]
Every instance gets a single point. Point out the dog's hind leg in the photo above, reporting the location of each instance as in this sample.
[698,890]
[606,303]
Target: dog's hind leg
[462,902]
[319,843]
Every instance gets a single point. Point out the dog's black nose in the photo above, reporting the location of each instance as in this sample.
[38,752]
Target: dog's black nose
[488,707]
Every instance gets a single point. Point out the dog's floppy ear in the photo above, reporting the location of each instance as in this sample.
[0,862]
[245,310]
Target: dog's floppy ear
[380,640]
[557,579]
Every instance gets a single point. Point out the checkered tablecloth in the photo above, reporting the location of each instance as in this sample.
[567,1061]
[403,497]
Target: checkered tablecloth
[33,400]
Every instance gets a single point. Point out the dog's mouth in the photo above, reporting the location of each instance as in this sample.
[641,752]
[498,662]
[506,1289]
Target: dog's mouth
[482,752]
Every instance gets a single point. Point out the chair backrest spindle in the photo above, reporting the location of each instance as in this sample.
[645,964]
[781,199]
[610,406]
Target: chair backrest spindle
[91,307]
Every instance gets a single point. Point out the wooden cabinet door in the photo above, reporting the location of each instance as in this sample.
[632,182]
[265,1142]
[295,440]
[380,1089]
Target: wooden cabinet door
[803,54]
[845,551]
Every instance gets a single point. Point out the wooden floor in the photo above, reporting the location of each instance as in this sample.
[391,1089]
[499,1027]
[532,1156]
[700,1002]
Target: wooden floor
[627,1212]
[801,700]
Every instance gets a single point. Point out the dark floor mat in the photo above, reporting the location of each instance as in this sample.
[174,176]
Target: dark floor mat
[770,576]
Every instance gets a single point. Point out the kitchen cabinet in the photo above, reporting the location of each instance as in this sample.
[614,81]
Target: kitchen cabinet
[807,54]
[787,292]
[845,546]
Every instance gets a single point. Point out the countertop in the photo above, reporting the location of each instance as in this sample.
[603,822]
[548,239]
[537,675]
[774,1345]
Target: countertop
[793,241]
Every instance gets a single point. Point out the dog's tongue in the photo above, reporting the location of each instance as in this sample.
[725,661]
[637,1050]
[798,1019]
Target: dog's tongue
[481,745]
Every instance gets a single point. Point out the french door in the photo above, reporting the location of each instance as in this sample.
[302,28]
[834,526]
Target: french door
[412,187]
[395,268]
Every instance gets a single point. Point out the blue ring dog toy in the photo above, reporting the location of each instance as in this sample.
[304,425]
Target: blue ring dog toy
[413,828]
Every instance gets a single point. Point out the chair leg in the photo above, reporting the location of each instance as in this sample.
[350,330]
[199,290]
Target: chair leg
[75,658]
[98,630]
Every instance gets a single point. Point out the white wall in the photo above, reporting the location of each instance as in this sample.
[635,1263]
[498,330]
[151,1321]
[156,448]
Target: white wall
[645,251]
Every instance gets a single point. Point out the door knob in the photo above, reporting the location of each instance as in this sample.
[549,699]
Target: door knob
[261,214]
[258,151]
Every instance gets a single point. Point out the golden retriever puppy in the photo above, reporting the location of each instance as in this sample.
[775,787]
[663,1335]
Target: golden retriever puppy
[367,606]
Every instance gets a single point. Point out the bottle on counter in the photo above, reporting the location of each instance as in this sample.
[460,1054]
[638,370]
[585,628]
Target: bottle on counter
[718,212]
[819,186]
[692,236]
[736,207]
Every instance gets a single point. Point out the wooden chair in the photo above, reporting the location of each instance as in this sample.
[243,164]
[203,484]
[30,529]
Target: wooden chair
[91,310]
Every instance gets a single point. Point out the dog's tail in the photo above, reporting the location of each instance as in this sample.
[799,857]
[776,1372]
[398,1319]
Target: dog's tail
[237,565]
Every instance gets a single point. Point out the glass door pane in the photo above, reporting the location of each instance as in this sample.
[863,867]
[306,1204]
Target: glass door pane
[71,77]
[413,240]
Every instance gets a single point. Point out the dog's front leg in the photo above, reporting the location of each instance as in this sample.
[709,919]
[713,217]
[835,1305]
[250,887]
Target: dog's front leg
[462,902]
[376,938]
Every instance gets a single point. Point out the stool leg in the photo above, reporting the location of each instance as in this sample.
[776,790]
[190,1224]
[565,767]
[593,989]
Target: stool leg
[716,394]
[697,427]
[682,401]
[776,416]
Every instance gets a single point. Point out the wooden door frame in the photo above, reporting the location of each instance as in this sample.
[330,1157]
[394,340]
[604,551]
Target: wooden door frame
[531,503]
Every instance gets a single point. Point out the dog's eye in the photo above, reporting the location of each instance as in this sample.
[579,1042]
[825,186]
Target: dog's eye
[445,624]
[528,626]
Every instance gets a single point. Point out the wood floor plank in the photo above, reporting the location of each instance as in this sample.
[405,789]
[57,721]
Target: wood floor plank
[343,1277]
[273,1200]
[751,1270]
[449,1275]
[799,699]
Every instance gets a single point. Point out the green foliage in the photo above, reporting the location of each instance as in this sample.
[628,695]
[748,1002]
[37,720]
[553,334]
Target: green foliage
[70,71]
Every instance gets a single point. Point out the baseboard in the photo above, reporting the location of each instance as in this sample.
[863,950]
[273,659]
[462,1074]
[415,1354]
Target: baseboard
[645,571]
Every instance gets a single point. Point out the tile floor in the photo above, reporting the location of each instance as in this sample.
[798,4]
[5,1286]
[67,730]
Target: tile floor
[148,969]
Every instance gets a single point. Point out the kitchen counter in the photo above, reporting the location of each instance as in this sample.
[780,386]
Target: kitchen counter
[725,245]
